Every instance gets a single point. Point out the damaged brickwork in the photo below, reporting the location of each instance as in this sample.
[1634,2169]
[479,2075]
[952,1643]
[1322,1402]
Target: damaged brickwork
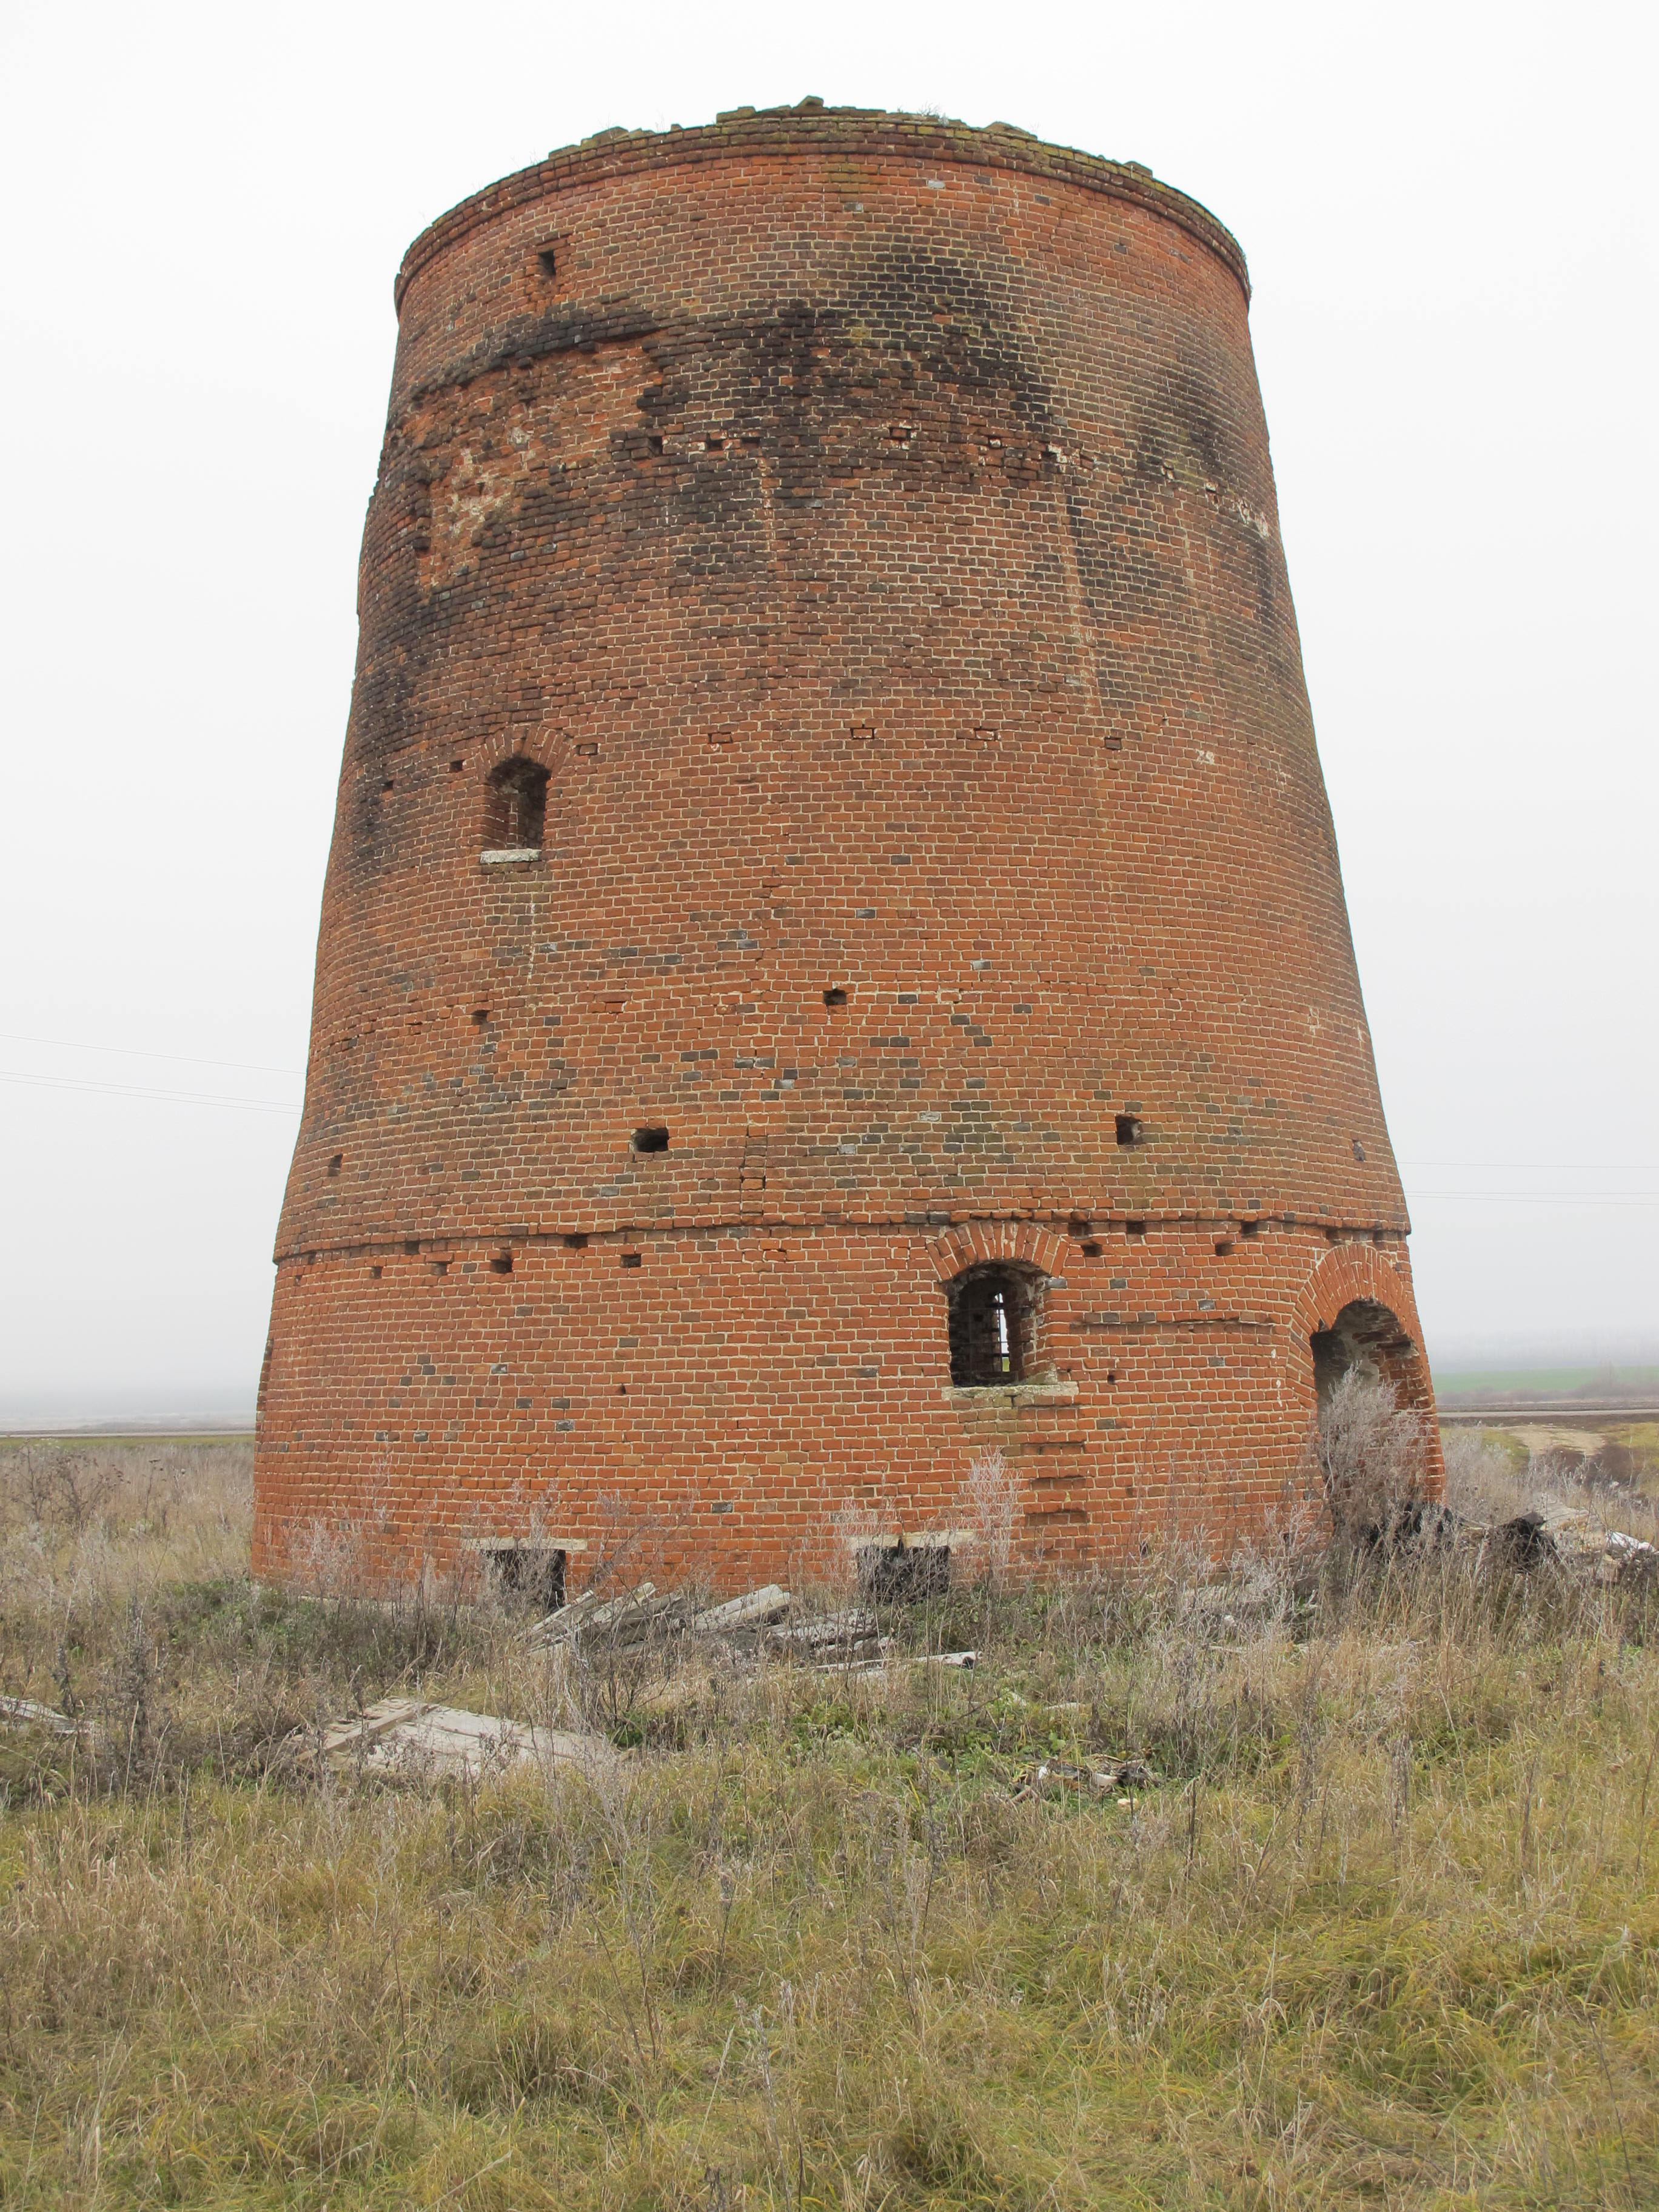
[832,952]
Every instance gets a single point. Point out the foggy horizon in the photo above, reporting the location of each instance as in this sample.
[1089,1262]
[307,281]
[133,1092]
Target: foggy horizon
[1452,347]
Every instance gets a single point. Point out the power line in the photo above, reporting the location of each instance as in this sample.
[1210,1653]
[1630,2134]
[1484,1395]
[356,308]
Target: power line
[1542,1167]
[167,1097]
[1538,1197]
[133,1052]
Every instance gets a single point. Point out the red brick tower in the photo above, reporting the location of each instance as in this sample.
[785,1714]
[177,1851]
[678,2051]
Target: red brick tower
[833,950]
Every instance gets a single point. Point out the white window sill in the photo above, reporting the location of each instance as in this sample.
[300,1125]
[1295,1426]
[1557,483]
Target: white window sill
[505,855]
[1017,1394]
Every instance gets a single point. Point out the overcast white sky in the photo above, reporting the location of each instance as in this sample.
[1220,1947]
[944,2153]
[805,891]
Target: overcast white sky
[1449,216]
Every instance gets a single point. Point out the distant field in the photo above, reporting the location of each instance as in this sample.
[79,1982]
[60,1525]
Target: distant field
[1516,1383]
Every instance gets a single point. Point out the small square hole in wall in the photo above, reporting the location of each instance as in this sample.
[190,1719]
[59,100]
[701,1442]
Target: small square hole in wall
[576,1242]
[1090,1249]
[835,997]
[455,767]
[1129,1129]
[1134,1230]
[547,260]
[631,1259]
[653,443]
[412,1247]
[715,445]
[387,784]
[335,1165]
[501,1264]
[376,1272]
[480,1015]
[587,752]
[651,1140]
[1249,1229]
[440,1267]
[1224,1245]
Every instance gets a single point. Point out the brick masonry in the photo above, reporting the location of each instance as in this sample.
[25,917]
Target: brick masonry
[868,526]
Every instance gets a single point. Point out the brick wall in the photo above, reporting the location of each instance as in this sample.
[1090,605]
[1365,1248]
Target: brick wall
[867,524]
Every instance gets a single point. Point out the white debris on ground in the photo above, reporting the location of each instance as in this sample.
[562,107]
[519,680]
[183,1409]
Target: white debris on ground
[23,1712]
[407,1740]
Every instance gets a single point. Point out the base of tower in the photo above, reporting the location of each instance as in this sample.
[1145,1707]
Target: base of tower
[764,1403]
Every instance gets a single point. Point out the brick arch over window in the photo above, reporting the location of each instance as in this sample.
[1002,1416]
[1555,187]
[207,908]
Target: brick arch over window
[1358,1303]
[994,1275]
[1023,1242]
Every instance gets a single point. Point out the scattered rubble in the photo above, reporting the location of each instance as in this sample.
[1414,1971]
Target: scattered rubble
[1627,1560]
[1052,1774]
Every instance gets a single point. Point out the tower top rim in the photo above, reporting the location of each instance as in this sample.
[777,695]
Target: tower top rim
[809,128]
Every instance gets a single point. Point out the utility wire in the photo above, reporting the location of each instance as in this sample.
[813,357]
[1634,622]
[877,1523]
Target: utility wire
[169,1097]
[133,1052]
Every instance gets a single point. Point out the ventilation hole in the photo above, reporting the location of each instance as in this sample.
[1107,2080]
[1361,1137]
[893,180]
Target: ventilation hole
[1129,1129]
[547,261]
[653,445]
[587,752]
[715,445]
[1333,1235]
[1135,1228]
[376,1272]
[1092,1251]
[837,997]
[455,767]
[1223,1246]
[1111,1374]
[631,1260]
[1249,1229]
[386,786]
[578,1242]
[650,1140]
[1358,1151]
[481,1015]
[440,1267]
[336,1163]
[501,1264]
[412,1247]
[1379,1237]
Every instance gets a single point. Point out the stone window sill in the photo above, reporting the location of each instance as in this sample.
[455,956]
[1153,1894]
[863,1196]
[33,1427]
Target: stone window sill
[504,855]
[1017,1394]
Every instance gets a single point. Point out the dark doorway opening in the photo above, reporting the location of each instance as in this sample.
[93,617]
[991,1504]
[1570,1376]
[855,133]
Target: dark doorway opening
[526,1572]
[903,1574]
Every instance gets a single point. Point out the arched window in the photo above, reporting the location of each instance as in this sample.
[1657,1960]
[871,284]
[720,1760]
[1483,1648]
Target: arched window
[996,1318]
[515,808]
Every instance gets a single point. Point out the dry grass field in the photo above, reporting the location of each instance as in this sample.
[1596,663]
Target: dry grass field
[1381,1929]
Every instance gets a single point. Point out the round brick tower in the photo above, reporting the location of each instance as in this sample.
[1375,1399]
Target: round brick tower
[833,953]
